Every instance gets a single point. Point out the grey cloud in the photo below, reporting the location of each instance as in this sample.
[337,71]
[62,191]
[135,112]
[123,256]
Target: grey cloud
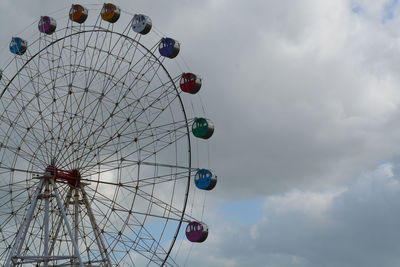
[288,86]
[354,226]
[304,95]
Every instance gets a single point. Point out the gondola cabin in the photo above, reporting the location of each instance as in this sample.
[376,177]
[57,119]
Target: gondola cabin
[196,232]
[1,74]
[18,46]
[47,25]
[205,180]
[110,12]
[169,47]
[190,83]
[141,24]
[78,14]
[202,128]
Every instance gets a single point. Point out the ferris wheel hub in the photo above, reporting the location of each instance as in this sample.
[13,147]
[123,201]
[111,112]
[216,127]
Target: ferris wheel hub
[72,177]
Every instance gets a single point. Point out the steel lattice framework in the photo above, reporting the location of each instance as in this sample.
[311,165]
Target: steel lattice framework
[95,153]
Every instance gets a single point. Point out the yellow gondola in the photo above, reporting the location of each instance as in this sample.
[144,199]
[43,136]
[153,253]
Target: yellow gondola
[110,12]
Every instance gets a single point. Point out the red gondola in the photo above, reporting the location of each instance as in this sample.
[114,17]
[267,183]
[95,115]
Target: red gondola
[190,83]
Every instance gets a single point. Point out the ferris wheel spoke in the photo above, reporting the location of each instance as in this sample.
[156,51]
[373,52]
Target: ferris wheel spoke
[141,183]
[166,207]
[86,52]
[163,205]
[141,242]
[129,62]
[63,122]
[109,52]
[111,138]
[22,153]
[31,137]
[120,110]
[82,101]
[106,121]
[81,127]
[159,148]
[69,132]
[140,73]
[18,152]
[47,57]
[88,77]
[150,153]
[104,220]
[133,163]
[18,65]
[14,185]
[102,126]
[116,67]
[60,69]
[117,208]
[42,121]
[15,197]
[106,61]
[42,130]
[129,140]
[99,48]
[8,170]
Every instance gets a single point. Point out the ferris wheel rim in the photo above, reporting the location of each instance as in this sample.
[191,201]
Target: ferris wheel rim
[171,79]
[32,159]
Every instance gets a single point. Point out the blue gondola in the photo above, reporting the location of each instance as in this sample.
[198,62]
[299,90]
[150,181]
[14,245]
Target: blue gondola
[205,180]
[18,46]
[169,47]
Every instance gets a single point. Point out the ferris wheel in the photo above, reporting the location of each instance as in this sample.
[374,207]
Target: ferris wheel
[95,144]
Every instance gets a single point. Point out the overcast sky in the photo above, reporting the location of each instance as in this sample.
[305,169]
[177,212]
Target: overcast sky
[305,97]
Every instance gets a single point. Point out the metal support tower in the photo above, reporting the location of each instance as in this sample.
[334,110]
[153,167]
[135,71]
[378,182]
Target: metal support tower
[47,190]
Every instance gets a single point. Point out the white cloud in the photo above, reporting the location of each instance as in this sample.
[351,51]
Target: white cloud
[303,94]
[355,226]
[310,204]
[305,97]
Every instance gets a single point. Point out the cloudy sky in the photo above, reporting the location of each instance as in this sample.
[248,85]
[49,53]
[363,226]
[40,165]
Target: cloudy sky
[305,96]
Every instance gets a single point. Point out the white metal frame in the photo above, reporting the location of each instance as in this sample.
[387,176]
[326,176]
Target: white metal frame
[50,190]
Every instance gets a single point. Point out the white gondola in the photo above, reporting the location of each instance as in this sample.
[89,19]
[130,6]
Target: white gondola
[141,24]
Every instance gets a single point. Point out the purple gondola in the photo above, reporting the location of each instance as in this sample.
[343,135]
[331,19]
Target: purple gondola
[47,25]
[169,47]
[196,232]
